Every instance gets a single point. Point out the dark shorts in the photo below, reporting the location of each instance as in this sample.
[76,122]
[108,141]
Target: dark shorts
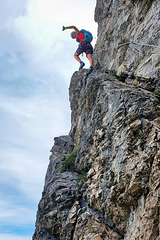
[85,47]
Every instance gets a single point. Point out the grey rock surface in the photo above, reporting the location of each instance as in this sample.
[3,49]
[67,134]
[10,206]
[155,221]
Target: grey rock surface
[125,21]
[117,130]
[59,194]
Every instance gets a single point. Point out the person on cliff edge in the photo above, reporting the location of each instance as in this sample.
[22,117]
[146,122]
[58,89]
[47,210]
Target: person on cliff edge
[84,46]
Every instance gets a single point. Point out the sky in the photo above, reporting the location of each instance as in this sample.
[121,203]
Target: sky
[36,65]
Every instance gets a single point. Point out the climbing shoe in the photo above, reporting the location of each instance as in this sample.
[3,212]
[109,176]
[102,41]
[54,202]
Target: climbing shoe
[81,65]
[90,69]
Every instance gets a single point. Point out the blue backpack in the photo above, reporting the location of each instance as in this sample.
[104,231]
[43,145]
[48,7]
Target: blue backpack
[87,35]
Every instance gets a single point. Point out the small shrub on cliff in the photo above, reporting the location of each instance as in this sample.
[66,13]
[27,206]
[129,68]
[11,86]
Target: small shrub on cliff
[120,78]
[82,178]
[105,70]
[68,163]
[157,93]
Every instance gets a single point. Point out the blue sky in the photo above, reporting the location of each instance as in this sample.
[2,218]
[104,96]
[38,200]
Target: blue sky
[36,64]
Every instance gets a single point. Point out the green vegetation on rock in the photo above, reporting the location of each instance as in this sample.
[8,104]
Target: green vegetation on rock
[82,178]
[68,163]
[157,93]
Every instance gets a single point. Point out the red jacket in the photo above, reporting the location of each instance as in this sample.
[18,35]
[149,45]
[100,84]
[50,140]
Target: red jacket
[80,38]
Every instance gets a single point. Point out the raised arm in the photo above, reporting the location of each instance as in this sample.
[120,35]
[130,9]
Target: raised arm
[71,27]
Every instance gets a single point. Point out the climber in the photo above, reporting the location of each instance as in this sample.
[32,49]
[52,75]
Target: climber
[84,46]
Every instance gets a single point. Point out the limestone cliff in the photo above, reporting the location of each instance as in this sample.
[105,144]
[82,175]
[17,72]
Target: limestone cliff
[124,21]
[103,179]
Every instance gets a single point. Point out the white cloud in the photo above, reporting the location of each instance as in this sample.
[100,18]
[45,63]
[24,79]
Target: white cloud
[12,213]
[24,170]
[39,116]
[13,237]
[35,123]
[12,9]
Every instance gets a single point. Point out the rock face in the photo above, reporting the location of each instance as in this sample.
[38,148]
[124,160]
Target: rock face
[117,129]
[125,21]
[103,180]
